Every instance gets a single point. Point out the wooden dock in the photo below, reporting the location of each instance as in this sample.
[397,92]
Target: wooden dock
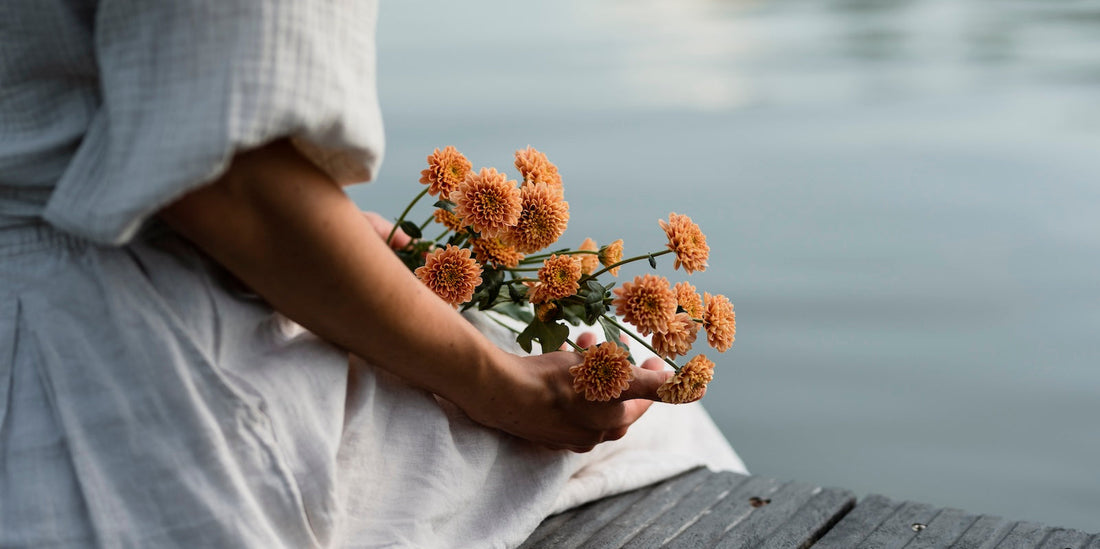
[704,509]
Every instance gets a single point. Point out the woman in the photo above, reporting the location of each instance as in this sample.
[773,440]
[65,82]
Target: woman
[156,161]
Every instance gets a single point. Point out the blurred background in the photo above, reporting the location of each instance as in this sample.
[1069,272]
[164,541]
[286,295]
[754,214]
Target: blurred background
[901,198]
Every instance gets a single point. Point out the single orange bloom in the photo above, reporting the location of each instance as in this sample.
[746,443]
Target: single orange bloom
[451,273]
[447,170]
[677,340]
[449,220]
[604,374]
[688,299]
[647,303]
[612,254]
[689,384]
[487,201]
[558,278]
[589,262]
[543,218]
[536,168]
[719,321]
[687,241]
[492,250]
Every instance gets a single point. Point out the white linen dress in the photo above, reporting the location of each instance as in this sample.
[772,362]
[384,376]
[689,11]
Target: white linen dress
[145,399]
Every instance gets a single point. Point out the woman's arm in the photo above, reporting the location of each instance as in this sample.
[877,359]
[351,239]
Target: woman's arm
[289,232]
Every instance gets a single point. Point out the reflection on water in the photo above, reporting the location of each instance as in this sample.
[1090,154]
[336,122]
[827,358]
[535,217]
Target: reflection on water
[901,197]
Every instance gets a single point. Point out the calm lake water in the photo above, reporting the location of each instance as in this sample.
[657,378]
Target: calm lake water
[902,200]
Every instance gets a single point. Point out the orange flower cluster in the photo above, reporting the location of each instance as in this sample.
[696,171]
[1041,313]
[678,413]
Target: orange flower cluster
[542,219]
[604,374]
[687,241]
[558,278]
[447,169]
[492,250]
[488,202]
[648,303]
[612,254]
[451,273]
[589,262]
[689,384]
[536,168]
[496,224]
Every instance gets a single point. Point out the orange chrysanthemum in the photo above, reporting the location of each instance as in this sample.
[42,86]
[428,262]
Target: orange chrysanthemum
[647,303]
[487,201]
[447,169]
[558,278]
[449,220]
[719,321]
[689,384]
[536,168]
[604,374]
[687,241]
[451,273]
[543,219]
[688,299]
[492,250]
[612,254]
[589,262]
[678,338]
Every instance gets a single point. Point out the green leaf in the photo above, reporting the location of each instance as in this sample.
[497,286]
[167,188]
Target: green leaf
[514,294]
[594,292]
[550,336]
[553,337]
[652,261]
[574,313]
[446,205]
[594,311]
[521,313]
[410,228]
[524,337]
[612,333]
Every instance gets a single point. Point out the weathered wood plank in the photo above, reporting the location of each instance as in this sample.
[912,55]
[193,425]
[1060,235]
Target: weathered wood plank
[589,519]
[901,527]
[724,510]
[858,523]
[880,523]
[780,506]
[1024,535]
[810,521]
[686,512]
[726,514]
[943,530]
[634,518]
[983,534]
[1061,538]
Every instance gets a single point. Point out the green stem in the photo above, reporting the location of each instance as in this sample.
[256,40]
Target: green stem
[574,345]
[441,235]
[624,262]
[639,339]
[424,225]
[499,321]
[404,213]
[568,252]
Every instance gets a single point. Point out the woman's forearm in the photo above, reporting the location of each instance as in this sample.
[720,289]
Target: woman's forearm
[284,228]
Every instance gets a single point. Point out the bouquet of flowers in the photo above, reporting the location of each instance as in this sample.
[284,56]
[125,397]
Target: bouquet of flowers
[490,256]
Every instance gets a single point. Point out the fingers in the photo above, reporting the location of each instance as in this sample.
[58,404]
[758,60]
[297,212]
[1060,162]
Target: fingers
[383,227]
[646,381]
[586,340]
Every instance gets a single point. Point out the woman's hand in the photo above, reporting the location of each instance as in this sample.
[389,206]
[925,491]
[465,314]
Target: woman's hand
[537,402]
[382,226]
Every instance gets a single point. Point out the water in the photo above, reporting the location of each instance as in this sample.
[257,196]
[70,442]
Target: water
[901,199]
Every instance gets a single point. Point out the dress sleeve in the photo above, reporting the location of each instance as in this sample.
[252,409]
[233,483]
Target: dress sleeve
[185,84]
